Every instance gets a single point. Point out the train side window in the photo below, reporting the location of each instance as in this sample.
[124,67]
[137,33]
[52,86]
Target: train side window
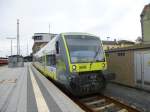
[48,60]
[51,60]
[54,59]
[43,60]
[57,47]
[40,59]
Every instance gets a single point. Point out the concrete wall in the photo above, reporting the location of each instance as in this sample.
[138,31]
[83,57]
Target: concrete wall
[127,62]
[122,64]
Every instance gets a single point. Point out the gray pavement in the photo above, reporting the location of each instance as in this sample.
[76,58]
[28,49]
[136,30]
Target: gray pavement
[13,89]
[31,102]
[131,96]
[17,93]
[56,100]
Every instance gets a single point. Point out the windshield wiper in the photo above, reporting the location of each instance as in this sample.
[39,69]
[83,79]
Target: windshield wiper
[94,58]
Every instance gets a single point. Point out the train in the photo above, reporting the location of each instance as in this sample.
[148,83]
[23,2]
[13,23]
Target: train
[74,60]
[3,61]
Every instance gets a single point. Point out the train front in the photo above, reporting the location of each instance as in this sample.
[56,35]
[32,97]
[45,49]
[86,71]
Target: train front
[86,63]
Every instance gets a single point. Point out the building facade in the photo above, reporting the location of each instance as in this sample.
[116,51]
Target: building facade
[40,40]
[145,24]
[131,65]
[107,45]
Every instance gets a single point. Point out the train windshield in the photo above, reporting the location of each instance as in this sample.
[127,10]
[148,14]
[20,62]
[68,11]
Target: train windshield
[84,48]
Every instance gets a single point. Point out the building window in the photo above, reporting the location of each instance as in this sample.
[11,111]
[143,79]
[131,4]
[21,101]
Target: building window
[38,37]
[121,54]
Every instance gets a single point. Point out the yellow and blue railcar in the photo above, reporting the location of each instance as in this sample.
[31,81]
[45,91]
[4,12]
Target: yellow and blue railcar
[74,60]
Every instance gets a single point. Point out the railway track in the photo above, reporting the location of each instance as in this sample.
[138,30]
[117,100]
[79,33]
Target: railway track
[100,103]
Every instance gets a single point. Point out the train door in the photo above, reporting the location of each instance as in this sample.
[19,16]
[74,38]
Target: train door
[146,69]
[142,69]
[61,61]
[138,68]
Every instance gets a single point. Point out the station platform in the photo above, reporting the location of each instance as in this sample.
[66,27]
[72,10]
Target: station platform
[24,89]
[131,96]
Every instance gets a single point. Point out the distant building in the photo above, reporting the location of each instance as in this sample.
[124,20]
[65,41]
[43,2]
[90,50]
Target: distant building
[125,43]
[28,58]
[110,44]
[145,24]
[40,40]
[15,61]
[107,45]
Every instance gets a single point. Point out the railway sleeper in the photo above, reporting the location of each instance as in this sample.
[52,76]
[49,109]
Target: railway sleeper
[95,102]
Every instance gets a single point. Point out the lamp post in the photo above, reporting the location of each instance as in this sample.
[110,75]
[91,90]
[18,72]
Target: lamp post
[108,44]
[11,38]
[18,41]
[49,33]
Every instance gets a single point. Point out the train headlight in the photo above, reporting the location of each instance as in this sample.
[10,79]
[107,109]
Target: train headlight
[74,67]
[103,65]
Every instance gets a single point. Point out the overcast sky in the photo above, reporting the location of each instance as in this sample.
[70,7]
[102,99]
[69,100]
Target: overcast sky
[118,19]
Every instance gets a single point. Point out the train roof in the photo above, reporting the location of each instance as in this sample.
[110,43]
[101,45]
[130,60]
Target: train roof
[49,48]
[77,33]
[15,56]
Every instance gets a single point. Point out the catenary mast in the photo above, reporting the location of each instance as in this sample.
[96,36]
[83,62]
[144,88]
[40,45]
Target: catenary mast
[18,41]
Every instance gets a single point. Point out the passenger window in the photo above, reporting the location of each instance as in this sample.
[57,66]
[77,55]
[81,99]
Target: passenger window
[57,47]
[51,60]
[54,60]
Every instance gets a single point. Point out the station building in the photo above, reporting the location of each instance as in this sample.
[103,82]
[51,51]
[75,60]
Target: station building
[15,61]
[40,40]
[131,64]
[145,24]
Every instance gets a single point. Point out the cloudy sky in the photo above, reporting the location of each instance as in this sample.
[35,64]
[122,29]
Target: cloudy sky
[118,19]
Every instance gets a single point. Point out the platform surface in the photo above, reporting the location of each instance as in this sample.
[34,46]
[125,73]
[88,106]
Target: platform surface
[131,96]
[13,89]
[24,89]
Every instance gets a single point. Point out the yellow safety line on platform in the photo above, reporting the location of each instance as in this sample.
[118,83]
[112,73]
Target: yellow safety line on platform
[41,104]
